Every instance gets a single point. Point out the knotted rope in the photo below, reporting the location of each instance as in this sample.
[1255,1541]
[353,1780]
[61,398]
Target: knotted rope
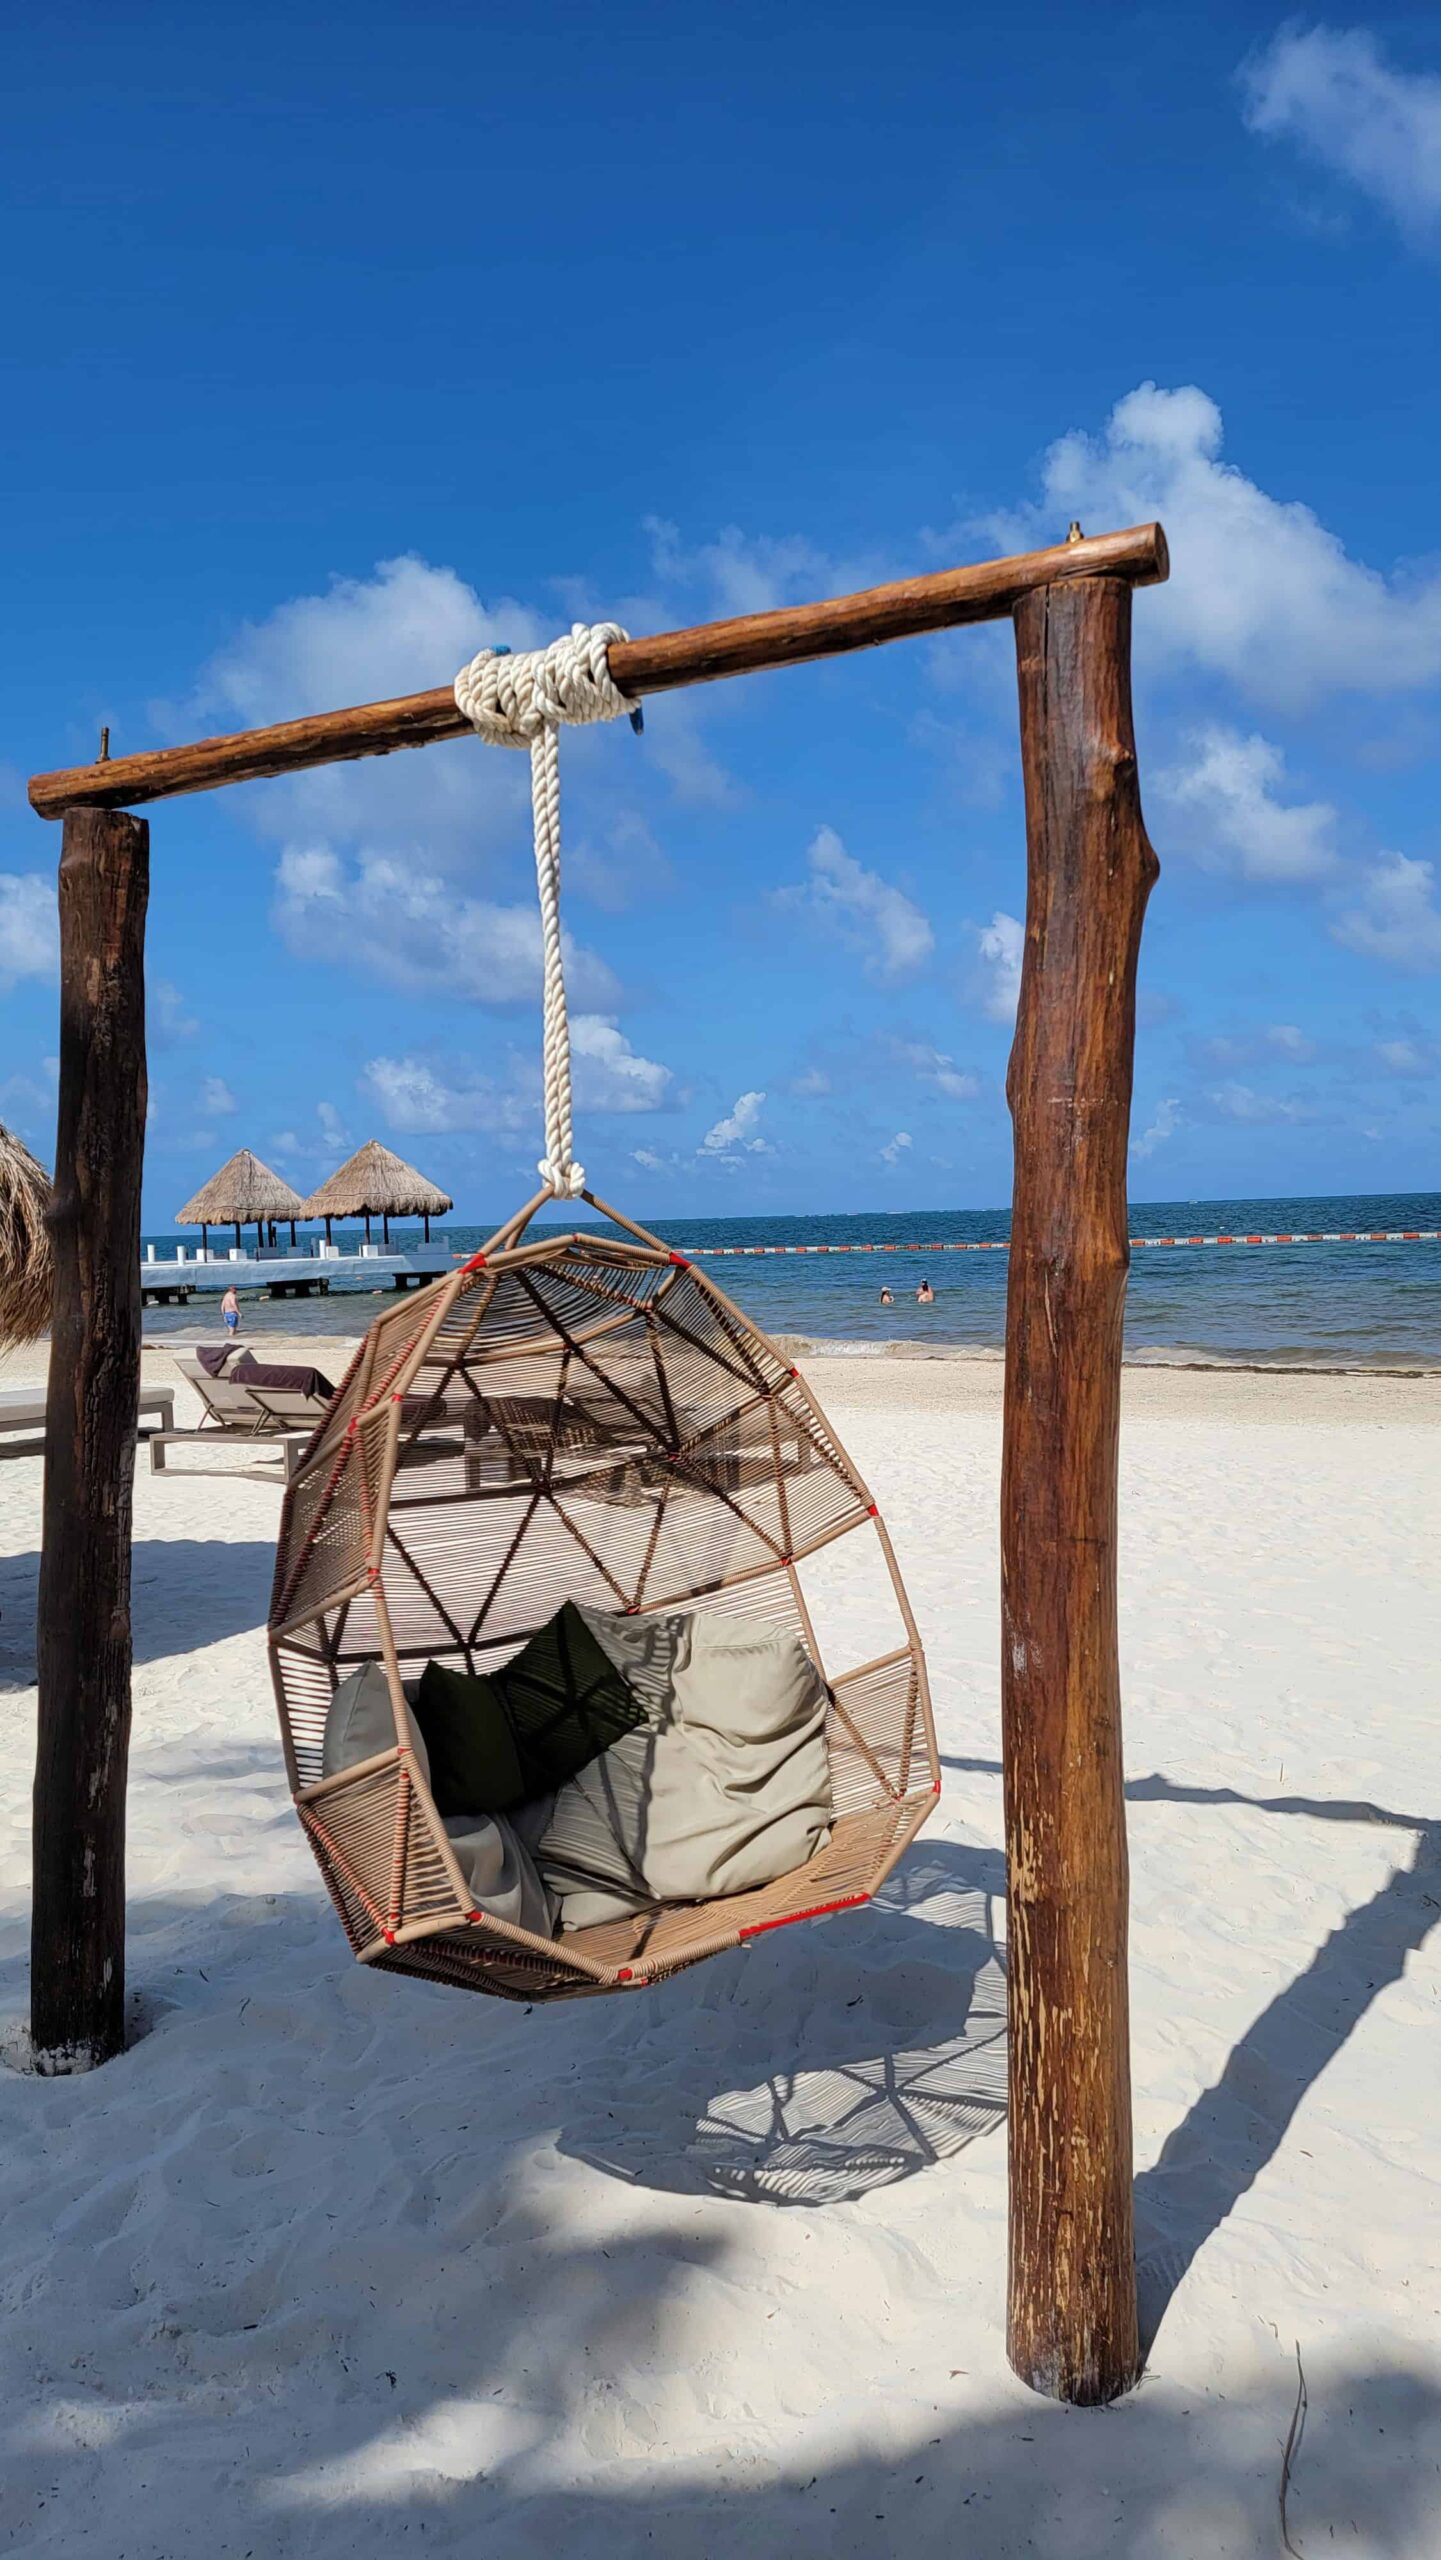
[521,700]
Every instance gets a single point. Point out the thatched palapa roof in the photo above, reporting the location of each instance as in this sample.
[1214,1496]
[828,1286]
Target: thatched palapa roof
[25,1269]
[244,1193]
[376,1183]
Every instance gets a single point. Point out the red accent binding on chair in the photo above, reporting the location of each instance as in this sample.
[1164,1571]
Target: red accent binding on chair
[476,1263]
[872,1513]
[680,1262]
[849,1902]
[625,1974]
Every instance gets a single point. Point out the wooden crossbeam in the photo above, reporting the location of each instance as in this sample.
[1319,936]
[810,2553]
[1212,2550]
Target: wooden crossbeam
[984,591]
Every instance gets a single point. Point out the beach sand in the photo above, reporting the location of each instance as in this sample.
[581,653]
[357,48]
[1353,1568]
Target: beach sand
[329,2264]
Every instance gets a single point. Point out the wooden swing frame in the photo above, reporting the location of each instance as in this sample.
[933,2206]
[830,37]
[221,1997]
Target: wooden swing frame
[1072,2324]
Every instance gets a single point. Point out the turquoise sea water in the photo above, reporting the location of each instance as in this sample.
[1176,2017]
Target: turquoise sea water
[1308,1305]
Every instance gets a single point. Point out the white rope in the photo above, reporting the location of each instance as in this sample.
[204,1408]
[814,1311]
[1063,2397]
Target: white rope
[521,701]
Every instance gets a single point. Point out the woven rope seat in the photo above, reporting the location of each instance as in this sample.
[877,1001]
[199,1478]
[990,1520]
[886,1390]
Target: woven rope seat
[585,1417]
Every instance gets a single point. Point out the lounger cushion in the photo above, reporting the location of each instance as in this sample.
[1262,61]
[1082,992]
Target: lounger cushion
[502,1738]
[247,1371]
[494,1858]
[727,1787]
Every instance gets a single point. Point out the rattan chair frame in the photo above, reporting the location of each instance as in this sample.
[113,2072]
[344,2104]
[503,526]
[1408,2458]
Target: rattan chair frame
[406,1535]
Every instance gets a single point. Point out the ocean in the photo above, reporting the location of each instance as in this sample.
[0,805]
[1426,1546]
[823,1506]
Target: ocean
[1363,1306]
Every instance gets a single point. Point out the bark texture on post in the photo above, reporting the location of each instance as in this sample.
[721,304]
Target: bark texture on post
[1072,2317]
[77,1998]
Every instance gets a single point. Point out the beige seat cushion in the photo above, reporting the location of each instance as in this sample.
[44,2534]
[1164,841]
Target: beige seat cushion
[728,1786]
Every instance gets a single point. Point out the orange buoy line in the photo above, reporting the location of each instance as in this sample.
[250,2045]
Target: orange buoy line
[1001,1244]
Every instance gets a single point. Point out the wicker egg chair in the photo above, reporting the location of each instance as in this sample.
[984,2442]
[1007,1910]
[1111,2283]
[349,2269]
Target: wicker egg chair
[580,1417]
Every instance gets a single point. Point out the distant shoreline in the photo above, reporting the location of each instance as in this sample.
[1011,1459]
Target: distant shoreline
[333,1347]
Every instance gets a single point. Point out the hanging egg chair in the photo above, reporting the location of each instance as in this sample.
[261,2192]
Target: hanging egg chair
[580,1417]
[587,1418]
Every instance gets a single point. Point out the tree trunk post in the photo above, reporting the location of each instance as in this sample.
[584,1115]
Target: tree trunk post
[1072,2329]
[77,2013]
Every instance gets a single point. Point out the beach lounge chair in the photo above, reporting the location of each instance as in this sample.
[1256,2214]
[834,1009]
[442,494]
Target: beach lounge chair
[22,1418]
[235,1410]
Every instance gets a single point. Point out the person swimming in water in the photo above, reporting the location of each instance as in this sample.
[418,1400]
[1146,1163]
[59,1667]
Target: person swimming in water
[925,1295]
[886,1298]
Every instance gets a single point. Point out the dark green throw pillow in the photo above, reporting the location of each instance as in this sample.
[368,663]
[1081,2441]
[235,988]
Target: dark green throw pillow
[474,1764]
[504,1737]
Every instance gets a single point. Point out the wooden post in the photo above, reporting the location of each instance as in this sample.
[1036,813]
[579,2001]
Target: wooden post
[1072,2314]
[77,1996]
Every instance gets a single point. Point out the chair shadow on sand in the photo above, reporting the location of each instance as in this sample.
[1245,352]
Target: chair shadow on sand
[899,2057]
[901,2048]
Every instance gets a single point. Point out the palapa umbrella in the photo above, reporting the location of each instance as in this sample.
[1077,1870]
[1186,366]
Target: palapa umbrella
[377,1183]
[244,1193]
[25,1266]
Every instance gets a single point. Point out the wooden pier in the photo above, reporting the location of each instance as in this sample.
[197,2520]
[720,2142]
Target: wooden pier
[173,1283]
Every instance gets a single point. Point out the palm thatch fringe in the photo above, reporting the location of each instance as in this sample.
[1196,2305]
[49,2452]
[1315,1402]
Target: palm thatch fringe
[243,1193]
[377,1183]
[25,1261]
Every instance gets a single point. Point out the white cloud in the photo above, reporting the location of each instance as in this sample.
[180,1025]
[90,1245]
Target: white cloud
[411,1096]
[216,1097]
[608,1073]
[1224,810]
[29,927]
[413,930]
[894,1149]
[1164,1125]
[1333,91]
[408,627]
[733,1133]
[29,1103]
[1242,1102]
[1407,1057]
[870,915]
[1290,1039]
[421,1094]
[1241,1048]
[1001,945]
[744,573]
[623,865]
[327,1144]
[1260,591]
[1397,919]
[167,1016]
[811,1085]
[934,1067]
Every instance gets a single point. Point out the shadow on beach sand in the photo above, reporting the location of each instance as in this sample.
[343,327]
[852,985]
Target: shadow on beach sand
[1235,2127]
[414,2338]
[837,2065]
[185,1593]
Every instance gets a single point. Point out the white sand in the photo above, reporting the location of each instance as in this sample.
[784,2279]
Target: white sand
[330,2264]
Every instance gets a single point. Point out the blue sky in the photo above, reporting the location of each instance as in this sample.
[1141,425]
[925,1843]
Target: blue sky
[339,343]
